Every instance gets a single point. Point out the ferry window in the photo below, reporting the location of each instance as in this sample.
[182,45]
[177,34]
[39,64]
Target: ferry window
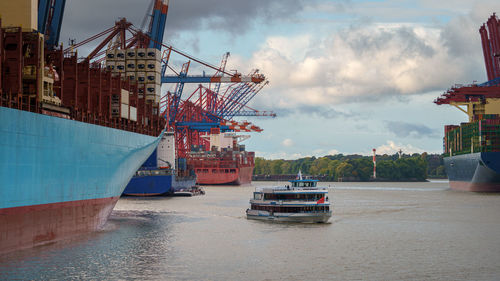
[214,171]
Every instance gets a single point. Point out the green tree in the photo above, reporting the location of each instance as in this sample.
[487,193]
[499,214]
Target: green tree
[344,169]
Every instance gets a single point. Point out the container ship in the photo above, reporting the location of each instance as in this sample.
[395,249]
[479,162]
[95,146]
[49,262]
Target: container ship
[162,173]
[72,133]
[472,149]
[226,163]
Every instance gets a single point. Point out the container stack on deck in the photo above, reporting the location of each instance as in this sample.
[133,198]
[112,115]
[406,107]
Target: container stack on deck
[68,144]
[472,150]
[56,83]
[139,65]
[477,136]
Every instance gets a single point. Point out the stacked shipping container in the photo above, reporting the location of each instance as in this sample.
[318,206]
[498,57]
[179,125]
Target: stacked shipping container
[480,135]
[56,83]
[141,66]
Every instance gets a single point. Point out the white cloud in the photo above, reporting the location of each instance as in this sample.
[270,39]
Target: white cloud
[367,63]
[332,152]
[280,155]
[287,142]
[391,148]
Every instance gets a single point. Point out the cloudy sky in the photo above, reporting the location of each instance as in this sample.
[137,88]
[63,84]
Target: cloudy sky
[345,76]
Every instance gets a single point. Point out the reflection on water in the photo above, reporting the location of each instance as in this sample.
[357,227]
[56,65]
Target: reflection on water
[379,231]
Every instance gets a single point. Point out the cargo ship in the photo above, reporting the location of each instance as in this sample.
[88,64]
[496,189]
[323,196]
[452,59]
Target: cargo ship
[162,173]
[472,149]
[72,134]
[226,163]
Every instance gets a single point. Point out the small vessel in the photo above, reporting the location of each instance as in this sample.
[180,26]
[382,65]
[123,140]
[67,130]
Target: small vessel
[191,191]
[301,201]
[157,176]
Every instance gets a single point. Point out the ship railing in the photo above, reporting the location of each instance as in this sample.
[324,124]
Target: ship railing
[279,201]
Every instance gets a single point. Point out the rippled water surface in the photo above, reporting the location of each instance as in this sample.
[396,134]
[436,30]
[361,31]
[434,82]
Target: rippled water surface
[379,231]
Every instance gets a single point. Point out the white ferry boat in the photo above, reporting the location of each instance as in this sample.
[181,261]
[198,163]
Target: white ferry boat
[302,201]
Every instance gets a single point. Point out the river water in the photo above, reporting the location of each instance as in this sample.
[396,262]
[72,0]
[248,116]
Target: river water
[379,231]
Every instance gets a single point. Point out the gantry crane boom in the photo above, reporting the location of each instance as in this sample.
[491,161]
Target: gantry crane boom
[50,16]
[157,25]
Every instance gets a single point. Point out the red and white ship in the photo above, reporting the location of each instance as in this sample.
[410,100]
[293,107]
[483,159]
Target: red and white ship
[226,163]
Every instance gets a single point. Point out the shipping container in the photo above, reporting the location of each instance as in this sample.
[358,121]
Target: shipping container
[125,96]
[124,111]
[120,55]
[133,113]
[130,54]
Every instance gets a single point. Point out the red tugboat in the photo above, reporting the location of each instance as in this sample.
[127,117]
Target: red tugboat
[226,163]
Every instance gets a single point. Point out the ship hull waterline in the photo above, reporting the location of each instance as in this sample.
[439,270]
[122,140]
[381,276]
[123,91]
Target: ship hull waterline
[158,185]
[290,217]
[474,172]
[242,176]
[60,178]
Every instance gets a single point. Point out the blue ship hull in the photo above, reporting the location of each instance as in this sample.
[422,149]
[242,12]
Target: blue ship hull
[61,177]
[152,185]
[478,172]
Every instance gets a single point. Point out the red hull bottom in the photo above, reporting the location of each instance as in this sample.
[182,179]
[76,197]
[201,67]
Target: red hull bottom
[29,226]
[242,176]
[475,187]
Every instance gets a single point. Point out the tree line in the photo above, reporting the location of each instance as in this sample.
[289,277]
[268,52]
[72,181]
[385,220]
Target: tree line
[415,167]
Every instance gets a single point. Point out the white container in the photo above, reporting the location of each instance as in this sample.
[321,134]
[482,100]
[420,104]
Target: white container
[124,111]
[110,65]
[166,150]
[153,54]
[141,65]
[110,55]
[141,88]
[140,53]
[152,65]
[120,54]
[131,75]
[125,96]
[120,66]
[133,114]
[130,54]
[152,77]
[141,77]
[150,89]
[130,65]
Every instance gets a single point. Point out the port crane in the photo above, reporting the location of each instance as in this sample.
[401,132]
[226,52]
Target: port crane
[484,98]
[232,102]
[50,16]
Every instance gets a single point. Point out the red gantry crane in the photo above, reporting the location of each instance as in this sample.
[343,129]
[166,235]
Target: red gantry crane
[480,99]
